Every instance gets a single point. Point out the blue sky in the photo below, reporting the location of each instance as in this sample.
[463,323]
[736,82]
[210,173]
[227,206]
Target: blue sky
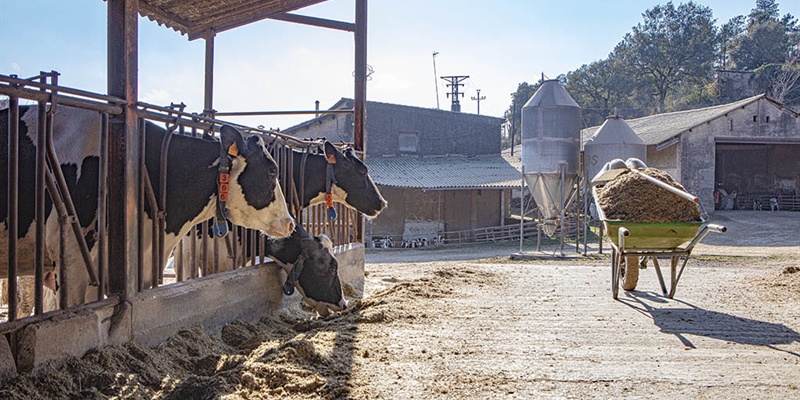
[274,65]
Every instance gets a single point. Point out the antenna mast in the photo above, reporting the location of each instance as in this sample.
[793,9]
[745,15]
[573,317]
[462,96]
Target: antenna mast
[435,82]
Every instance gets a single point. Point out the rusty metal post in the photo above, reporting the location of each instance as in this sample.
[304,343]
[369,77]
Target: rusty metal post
[102,207]
[208,103]
[124,151]
[41,171]
[360,95]
[13,203]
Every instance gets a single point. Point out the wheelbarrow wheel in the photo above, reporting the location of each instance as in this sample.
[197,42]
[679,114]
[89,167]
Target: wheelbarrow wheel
[629,274]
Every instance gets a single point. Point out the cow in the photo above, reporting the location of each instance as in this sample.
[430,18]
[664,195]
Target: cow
[351,185]
[311,268]
[255,199]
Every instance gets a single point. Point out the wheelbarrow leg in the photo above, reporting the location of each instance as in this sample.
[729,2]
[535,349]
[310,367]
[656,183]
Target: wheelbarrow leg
[676,274]
[615,261]
[660,277]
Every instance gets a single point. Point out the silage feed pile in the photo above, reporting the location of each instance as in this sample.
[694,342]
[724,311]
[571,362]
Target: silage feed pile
[630,197]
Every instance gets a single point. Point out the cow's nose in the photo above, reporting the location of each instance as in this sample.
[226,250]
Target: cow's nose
[289,225]
[343,304]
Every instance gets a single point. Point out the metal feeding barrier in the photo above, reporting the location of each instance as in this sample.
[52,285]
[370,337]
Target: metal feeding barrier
[631,240]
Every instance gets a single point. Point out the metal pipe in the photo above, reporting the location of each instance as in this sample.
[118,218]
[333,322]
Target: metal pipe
[102,207]
[522,210]
[17,83]
[291,112]
[41,159]
[13,204]
[145,189]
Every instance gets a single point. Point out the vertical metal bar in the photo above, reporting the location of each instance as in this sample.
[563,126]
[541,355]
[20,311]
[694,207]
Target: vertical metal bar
[177,262]
[41,166]
[208,102]
[360,95]
[235,248]
[141,200]
[102,206]
[13,204]
[521,210]
[193,253]
[204,247]
[122,28]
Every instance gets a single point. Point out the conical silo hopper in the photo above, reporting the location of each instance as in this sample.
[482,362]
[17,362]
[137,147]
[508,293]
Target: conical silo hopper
[614,139]
[551,125]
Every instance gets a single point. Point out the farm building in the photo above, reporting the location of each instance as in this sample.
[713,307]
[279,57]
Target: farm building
[751,146]
[440,171]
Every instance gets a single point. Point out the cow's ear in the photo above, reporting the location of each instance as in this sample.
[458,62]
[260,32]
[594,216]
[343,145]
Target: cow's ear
[232,140]
[324,240]
[331,150]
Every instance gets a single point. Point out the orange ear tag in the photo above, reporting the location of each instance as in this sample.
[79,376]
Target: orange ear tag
[233,150]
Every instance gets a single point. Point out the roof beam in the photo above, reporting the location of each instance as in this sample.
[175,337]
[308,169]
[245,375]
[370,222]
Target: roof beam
[314,21]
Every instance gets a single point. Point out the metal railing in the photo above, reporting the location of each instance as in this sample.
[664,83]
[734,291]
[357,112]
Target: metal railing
[242,245]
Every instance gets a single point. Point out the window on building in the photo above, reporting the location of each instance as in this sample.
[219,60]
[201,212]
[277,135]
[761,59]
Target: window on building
[408,142]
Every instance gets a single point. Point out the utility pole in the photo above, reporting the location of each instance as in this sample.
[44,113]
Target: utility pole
[455,105]
[479,98]
[435,82]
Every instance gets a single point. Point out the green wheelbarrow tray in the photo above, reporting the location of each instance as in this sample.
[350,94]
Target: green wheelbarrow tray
[651,235]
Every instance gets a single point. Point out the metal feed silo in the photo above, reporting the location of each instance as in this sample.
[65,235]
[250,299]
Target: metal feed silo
[614,139]
[551,126]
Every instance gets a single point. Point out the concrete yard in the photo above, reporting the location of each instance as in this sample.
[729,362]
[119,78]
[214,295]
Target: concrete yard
[466,322]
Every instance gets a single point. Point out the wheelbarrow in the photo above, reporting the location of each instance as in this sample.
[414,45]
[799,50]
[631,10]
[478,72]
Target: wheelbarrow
[632,240]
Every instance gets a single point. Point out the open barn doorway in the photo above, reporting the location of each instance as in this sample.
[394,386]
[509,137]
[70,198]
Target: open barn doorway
[757,176]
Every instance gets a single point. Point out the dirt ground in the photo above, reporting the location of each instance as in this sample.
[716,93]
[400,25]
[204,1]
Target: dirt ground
[466,322]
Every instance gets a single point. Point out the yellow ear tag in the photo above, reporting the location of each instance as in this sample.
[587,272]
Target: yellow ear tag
[233,150]
[331,159]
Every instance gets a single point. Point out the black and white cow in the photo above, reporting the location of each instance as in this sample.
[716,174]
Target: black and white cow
[255,198]
[353,187]
[311,268]
[352,184]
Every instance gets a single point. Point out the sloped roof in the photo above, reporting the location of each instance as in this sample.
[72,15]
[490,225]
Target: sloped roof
[196,17]
[658,128]
[444,172]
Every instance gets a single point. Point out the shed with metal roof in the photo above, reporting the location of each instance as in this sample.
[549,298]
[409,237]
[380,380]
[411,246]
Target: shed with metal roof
[751,146]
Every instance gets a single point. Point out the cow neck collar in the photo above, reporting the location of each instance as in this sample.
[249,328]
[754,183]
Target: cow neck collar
[223,188]
[330,180]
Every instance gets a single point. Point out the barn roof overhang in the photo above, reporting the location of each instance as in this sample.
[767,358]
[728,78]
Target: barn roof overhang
[201,18]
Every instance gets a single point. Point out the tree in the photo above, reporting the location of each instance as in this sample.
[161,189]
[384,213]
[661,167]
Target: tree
[766,42]
[514,113]
[672,45]
[599,88]
[727,32]
[769,38]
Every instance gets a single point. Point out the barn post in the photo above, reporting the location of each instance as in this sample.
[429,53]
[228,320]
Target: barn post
[124,153]
[360,95]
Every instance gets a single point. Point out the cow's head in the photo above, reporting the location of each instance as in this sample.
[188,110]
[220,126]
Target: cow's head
[255,197]
[318,280]
[353,178]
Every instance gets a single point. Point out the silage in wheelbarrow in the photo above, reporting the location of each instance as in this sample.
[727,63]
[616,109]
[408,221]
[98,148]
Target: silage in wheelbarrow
[655,217]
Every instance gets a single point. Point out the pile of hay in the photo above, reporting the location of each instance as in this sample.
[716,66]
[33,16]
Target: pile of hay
[630,197]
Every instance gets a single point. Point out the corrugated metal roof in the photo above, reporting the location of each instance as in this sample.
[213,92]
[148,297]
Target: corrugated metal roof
[444,172]
[196,17]
[657,128]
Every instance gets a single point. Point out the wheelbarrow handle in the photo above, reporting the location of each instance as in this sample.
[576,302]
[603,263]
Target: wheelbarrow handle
[717,228]
[671,188]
